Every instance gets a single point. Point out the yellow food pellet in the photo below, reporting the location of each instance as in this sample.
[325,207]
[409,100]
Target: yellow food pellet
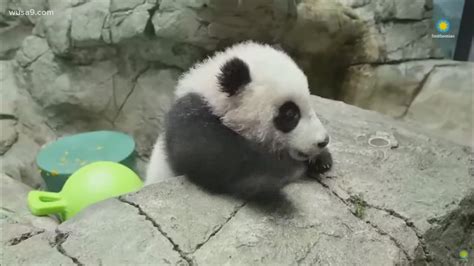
[463,254]
[54,173]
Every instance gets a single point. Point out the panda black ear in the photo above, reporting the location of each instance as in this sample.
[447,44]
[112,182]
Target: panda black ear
[234,75]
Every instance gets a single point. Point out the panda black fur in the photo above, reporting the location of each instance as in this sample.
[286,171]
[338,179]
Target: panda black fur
[242,124]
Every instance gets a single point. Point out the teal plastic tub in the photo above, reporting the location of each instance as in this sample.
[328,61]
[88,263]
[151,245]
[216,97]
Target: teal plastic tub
[60,159]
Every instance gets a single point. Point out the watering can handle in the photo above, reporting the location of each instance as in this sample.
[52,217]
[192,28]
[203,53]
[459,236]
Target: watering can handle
[44,203]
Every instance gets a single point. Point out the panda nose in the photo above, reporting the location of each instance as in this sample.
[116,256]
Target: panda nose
[323,143]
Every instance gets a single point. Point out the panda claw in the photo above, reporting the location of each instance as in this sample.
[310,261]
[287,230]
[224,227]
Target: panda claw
[321,164]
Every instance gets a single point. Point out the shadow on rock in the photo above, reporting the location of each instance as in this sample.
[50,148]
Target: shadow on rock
[276,204]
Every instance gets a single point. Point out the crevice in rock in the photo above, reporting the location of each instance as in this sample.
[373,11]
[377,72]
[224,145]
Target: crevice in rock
[395,62]
[219,227]
[4,24]
[360,5]
[78,3]
[149,30]
[7,209]
[300,261]
[48,125]
[408,223]
[102,113]
[23,237]
[129,9]
[376,228]
[420,86]
[59,239]
[33,60]
[406,45]
[162,65]
[417,90]
[9,54]
[8,117]
[176,247]
[428,5]
[134,82]
[106,28]
[381,231]
[393,239]
[69,37]
[396,20]
[114,92]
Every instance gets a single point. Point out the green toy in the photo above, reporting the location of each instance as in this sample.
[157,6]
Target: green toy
[60,159]
[90,184]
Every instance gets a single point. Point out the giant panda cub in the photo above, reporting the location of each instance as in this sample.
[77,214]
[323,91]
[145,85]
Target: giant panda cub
[242,124]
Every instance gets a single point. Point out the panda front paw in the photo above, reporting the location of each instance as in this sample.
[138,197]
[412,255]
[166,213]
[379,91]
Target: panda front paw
[321,164]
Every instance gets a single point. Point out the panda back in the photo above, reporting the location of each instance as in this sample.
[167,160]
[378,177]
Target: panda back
[215,157]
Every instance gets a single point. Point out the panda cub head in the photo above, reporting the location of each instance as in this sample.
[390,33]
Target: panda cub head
[261,94]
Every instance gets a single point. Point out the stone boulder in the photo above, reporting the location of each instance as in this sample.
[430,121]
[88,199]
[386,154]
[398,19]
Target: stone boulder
[21,231]
[444,103]
[330,36]
[435,93]
[15,210]
[7,112]
[11,37]
[24,129]
[392,190]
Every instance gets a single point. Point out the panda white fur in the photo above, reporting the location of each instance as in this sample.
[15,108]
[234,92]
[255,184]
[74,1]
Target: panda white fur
[242,124]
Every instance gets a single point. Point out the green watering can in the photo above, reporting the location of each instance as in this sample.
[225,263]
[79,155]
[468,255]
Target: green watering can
[88,185]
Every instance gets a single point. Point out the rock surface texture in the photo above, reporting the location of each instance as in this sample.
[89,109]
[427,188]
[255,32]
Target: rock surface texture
[392,186]
[396,196]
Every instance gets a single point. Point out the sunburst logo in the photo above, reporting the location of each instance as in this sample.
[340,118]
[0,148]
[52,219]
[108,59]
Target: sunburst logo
[443,25]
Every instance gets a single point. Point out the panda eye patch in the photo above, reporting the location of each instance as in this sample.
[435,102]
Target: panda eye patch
[288,117]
